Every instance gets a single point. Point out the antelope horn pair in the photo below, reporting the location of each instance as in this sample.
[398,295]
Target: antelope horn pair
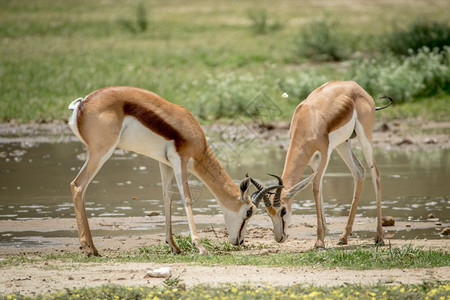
[263,191]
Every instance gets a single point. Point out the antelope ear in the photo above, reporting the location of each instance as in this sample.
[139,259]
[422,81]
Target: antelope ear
[300,186]
[244,187]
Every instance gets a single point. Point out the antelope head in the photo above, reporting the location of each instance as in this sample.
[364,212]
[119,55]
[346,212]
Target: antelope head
[278,205]
[237,223]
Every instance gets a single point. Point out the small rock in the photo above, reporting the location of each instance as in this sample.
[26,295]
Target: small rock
[70,278]
[163,272]
[431,216]
[405,141]
[430,141]
[387,221]
[264,252]
[446,231]
[408,225]
[151,213]
[384,127]
[267,126]
[438,224]
[387,280]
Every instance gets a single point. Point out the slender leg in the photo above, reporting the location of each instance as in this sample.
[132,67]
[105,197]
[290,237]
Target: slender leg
[366,145]
[358,174]
[180,169]
[167,186]
[318,198]
[93,163]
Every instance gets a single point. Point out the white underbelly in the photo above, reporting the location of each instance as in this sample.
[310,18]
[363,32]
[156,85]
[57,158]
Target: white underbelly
[138,138]
[342,134]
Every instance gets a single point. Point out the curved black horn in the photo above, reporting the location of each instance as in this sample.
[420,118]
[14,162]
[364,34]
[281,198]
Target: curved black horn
[277,198]
[267,201]
[257,185]
[258,196]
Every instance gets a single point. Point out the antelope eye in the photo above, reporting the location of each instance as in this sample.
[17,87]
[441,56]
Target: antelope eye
[249,213]
[283,211]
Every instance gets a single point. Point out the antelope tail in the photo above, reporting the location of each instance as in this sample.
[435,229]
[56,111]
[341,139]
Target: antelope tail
[387,105]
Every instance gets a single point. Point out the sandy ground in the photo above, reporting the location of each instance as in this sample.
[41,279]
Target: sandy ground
[114,235]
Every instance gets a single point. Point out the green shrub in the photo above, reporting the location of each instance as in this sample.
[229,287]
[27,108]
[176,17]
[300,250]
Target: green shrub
[320,41]
[299,86]
[228,95]
[140,24]
[418,35]
[423,73]
[260,23]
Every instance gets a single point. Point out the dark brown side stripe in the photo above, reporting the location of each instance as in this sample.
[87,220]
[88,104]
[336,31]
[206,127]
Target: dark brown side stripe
[345,109]
[154,122]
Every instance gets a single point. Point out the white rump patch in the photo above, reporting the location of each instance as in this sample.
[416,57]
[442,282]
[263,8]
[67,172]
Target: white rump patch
[74,104]
[73,124]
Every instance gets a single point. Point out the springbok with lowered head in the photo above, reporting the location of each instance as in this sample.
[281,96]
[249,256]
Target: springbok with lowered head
[326,120]
[143,122]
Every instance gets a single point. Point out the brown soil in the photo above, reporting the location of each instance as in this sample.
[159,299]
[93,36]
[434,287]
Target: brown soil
[398,134]
[113,235]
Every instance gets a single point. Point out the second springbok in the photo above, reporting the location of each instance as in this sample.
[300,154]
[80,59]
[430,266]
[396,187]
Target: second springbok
[326,120]
[143,122]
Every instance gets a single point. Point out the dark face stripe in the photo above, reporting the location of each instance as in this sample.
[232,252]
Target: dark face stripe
[240,231]
[154,122]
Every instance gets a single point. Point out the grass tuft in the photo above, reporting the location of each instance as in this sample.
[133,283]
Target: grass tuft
[223,253]
[260,23]
[140,23]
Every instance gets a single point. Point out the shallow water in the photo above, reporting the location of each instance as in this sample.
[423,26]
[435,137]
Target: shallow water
[34,183]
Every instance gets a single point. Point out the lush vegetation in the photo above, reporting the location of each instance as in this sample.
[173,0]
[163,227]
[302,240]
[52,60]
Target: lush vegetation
[216,59]
[175,289]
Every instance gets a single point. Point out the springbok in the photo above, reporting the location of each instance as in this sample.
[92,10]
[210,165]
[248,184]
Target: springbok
[143,122]
[327,119]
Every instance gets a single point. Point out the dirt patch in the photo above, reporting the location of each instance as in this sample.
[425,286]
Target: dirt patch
[42,278]
[113,236]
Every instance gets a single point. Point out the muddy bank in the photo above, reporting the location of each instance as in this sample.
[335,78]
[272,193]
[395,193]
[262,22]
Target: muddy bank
[396,134]
[120,234]
[112,237]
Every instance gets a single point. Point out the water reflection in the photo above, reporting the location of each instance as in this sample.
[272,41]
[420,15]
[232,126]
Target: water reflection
[34,183]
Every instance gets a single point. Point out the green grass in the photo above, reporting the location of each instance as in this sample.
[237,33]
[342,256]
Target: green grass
[223,253]
[427,290]
[213,58]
